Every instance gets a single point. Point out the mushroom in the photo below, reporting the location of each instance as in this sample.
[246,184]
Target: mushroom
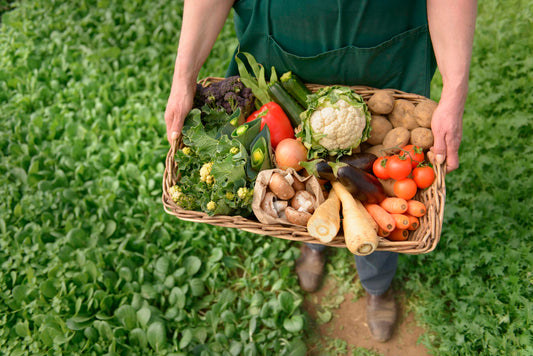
[297,217]
[280,186]
[303,201]
[267,205]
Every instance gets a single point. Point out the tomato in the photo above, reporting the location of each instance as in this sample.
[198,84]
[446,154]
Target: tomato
[405,188]
[278,122]
[380,169]
[414,153]
[423,176]
[398,167]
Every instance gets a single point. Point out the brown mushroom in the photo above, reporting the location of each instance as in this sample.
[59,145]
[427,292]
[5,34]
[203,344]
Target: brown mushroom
[297,217]
[280,186]
[303,201]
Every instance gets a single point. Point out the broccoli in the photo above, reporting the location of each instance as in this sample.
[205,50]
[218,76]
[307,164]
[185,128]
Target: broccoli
[227,94]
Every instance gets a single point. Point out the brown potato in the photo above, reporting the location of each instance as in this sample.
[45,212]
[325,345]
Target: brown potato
[382,102]
[402,114]
[378,150]
[379,127]
[388,186]
[424,112]
[396,139]
[422,137]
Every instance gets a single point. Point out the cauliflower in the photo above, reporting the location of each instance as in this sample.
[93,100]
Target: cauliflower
[336,121]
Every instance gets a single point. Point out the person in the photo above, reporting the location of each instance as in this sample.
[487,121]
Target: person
[382,44]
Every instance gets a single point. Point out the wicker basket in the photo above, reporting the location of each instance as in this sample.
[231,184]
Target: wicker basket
[422,240]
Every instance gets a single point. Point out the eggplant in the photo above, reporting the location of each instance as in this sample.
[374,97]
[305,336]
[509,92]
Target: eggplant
[361,160]
[362,185]
[319,168]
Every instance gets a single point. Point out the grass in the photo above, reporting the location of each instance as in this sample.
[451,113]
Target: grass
[91,264]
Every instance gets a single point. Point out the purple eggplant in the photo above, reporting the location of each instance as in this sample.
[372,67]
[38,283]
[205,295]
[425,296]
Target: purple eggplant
[319,168]
[363,186]
[361,160]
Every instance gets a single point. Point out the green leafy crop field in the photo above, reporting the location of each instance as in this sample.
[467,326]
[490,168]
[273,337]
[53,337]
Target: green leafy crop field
[91,264]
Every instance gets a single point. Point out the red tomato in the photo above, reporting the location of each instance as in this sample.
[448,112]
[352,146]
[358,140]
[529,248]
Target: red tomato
[414,153]
[379,168]
[398,167]
[278,123]
[423,176]
[405,188]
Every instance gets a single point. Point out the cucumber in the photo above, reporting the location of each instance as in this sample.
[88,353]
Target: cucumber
[287,103]
[295,87]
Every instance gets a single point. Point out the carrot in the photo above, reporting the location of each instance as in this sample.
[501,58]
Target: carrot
[398,235]
[381,217]
[360,231]
[416,208]
[383,233]
[402,221]
[394,205]
[325,222]
[414,223]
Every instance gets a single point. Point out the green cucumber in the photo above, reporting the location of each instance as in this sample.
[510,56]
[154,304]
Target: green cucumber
[295,87]
[287,103]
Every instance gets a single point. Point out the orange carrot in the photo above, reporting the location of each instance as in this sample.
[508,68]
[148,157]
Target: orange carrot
[416,208]
[381,217]
[398,235]
[402,221]
[394,205]
[383,233]
[414,223]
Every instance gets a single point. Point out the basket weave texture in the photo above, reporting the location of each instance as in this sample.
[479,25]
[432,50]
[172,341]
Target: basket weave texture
[422,240]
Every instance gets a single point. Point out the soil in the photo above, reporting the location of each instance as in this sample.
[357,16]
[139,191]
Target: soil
[348,323]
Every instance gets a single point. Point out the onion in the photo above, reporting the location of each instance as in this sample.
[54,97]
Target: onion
[289,153]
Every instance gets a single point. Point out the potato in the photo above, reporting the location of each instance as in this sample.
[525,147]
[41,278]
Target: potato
[382,102]
[422,137]
[379,127]
[388,186]
[424,112]
[402,114]
[378,150]
[396,139]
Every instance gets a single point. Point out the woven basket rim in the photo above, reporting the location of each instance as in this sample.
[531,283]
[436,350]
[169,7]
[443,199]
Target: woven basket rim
[422,240]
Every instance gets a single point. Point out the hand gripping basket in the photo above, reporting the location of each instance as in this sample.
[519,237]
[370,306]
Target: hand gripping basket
[422,240]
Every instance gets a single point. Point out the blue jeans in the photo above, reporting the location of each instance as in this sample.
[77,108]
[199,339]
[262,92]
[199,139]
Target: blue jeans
[375,270]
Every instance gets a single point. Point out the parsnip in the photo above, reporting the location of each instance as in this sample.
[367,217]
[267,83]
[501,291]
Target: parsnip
[360,231]
[325,222]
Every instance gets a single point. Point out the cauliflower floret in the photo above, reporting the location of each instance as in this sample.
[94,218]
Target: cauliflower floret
[211,206]
[342,125]
[205,173]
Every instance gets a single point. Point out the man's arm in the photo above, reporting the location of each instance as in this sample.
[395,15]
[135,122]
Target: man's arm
[202,22]
[451,26]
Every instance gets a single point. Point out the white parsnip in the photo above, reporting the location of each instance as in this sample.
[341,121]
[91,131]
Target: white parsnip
[325,222]
[360,234]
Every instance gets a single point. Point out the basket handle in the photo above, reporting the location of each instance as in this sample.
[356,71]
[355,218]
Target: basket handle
[441,174]
[175,144]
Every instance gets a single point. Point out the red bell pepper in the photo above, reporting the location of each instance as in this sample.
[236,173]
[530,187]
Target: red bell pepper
[278,123]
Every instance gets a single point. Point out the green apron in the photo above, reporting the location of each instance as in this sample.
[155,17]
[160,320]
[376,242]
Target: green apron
[382,44]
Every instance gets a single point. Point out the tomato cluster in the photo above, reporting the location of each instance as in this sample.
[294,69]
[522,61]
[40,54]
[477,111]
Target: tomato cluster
[407,169]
